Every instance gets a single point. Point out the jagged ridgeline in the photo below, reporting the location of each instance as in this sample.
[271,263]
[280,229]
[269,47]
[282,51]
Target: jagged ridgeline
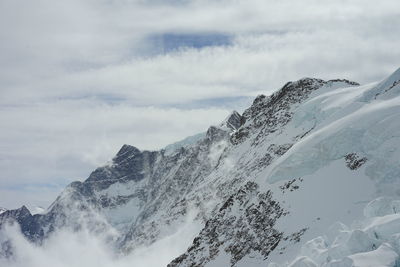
[261,184]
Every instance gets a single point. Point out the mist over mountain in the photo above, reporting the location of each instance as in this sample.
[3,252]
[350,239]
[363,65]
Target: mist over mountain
[308,176]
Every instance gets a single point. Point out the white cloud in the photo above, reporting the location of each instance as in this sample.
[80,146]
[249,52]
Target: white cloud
[84,248]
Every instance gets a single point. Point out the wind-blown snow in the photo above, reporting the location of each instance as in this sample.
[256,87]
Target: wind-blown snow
[190,140]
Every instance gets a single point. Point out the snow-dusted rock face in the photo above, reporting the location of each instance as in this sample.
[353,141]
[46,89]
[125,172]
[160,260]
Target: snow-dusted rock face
[2,210]
[28,223]
[267,186]
[238,235]
[233,122]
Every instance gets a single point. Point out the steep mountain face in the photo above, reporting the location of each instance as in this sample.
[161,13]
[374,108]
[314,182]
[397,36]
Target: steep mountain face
[2,210]
[262,183]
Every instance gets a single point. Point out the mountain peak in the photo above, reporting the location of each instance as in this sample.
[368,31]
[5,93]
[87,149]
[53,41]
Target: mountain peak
[17,213]
[233,121]
[127,149]
[24,210]
[2,210]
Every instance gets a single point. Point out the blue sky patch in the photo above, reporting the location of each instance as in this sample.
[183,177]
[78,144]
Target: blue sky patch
[169,42]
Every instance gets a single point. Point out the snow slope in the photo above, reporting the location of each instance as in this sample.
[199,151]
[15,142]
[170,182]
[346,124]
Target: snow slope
[372,241]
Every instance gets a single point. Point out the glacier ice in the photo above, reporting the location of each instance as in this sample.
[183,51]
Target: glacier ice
[303,262]
[381,206]
[375,241]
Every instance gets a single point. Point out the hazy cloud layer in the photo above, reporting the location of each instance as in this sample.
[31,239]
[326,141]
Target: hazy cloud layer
[80,78]
[84,248]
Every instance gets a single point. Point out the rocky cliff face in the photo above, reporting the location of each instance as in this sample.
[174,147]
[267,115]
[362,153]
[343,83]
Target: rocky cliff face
[244,223]
[260,183]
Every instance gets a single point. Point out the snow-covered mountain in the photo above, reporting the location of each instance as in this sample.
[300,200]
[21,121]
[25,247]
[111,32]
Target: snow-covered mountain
[308,176]
[2,210]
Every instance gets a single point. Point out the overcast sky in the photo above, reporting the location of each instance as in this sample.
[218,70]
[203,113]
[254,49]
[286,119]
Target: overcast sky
[80,78]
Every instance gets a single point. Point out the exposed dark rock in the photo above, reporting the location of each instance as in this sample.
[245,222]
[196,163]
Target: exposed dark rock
[244,224]
[394,84]
[290,185]
[279,150]
[28,223]
[354,161]
[129,164]
[269,114]
[234,121]
[295,237]
[344,81]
